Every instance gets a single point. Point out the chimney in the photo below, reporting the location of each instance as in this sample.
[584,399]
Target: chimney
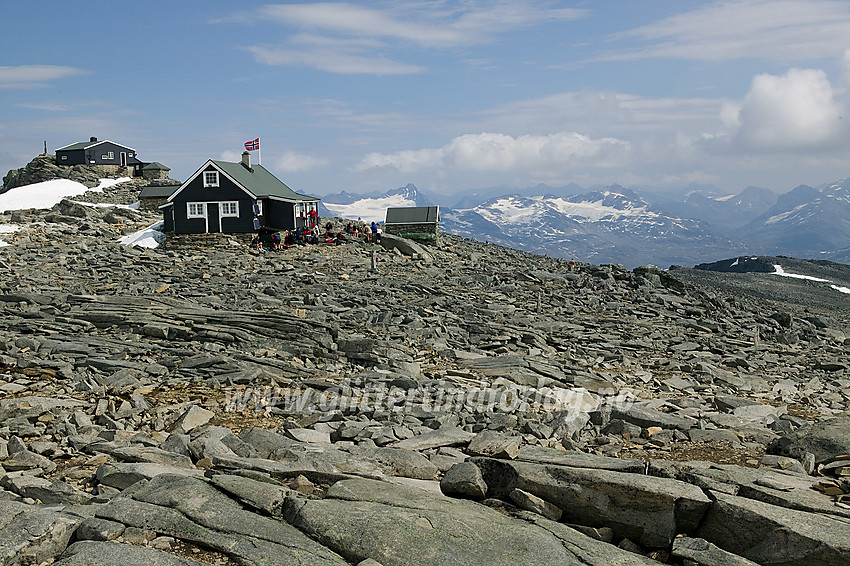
[246,160]
[92,139]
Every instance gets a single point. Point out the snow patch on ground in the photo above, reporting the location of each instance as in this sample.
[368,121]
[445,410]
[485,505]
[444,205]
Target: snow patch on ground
[48,193]
[150,237]
[7,229]
[783,273]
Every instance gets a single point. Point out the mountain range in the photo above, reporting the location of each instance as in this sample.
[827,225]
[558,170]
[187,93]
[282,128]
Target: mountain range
[615,224]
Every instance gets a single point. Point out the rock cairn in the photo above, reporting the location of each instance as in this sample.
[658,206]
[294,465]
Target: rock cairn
[203,402]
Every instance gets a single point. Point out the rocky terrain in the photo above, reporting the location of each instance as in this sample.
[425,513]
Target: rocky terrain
[203,402]
[43,168]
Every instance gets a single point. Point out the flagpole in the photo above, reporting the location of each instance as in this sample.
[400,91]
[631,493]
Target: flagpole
[259,154]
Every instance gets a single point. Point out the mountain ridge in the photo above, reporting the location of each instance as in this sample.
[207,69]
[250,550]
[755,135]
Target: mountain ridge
[616,224]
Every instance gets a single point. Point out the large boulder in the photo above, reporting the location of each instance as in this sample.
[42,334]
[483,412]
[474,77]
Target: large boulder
[406,526]
[825,439]
[644,509]
[768,534]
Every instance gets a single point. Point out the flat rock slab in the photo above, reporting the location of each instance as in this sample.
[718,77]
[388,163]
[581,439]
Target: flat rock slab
[190,510]
[769,486]
[495,444]
[706,554]
[90,553]
[644,509]
[445,436]
[34,406]
[122,475]
[30,534]
[646,418]
[768,534]
[576,459]
[405,526]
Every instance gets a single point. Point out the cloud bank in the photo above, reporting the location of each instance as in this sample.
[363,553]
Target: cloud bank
[35,76]
[501,152]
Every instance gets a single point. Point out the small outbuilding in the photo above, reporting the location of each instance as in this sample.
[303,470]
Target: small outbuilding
[155,171]
[236,198]
[152,197]
[414,222]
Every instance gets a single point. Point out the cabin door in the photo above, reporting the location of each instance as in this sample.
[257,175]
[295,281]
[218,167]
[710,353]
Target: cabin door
[123,159]
[213,219]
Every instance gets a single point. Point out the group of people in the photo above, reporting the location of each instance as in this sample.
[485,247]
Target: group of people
[314,235]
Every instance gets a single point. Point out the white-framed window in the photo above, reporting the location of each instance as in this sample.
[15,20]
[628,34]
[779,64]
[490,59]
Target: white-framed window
[64,158]
[196,210]
[108,155]
[210,178]
[228,209]
[258,208]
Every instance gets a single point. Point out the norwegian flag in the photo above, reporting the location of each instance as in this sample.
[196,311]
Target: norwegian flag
[252,145]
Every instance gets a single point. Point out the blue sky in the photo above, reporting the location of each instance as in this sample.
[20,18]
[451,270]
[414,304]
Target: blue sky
[448,95]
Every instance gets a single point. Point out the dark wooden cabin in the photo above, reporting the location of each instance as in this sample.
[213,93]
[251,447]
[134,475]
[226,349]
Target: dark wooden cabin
[94,152]
[236,198]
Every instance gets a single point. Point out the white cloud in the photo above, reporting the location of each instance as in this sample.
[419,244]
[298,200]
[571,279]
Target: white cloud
[354,20]
[783,30]
[796,110]
[292,162]
[289,161]
[342,37]
[333,56]
[430,24]
[230,155]
[35,76]
[501,152]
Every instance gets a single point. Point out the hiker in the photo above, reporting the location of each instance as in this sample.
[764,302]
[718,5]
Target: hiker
[376,233]
[276,241]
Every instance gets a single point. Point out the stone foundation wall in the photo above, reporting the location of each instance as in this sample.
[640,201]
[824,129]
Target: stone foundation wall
[151,204]
[428,232]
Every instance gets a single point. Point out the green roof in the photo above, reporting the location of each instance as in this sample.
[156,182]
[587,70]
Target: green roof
[78,145]
[413,215]
[157,191]
[155,166]
[84,145]
[260,182]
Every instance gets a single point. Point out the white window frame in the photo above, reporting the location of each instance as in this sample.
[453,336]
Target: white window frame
[64,158]
[202,207]
[108,155]
[259,205]
[212,181]
[223,214]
